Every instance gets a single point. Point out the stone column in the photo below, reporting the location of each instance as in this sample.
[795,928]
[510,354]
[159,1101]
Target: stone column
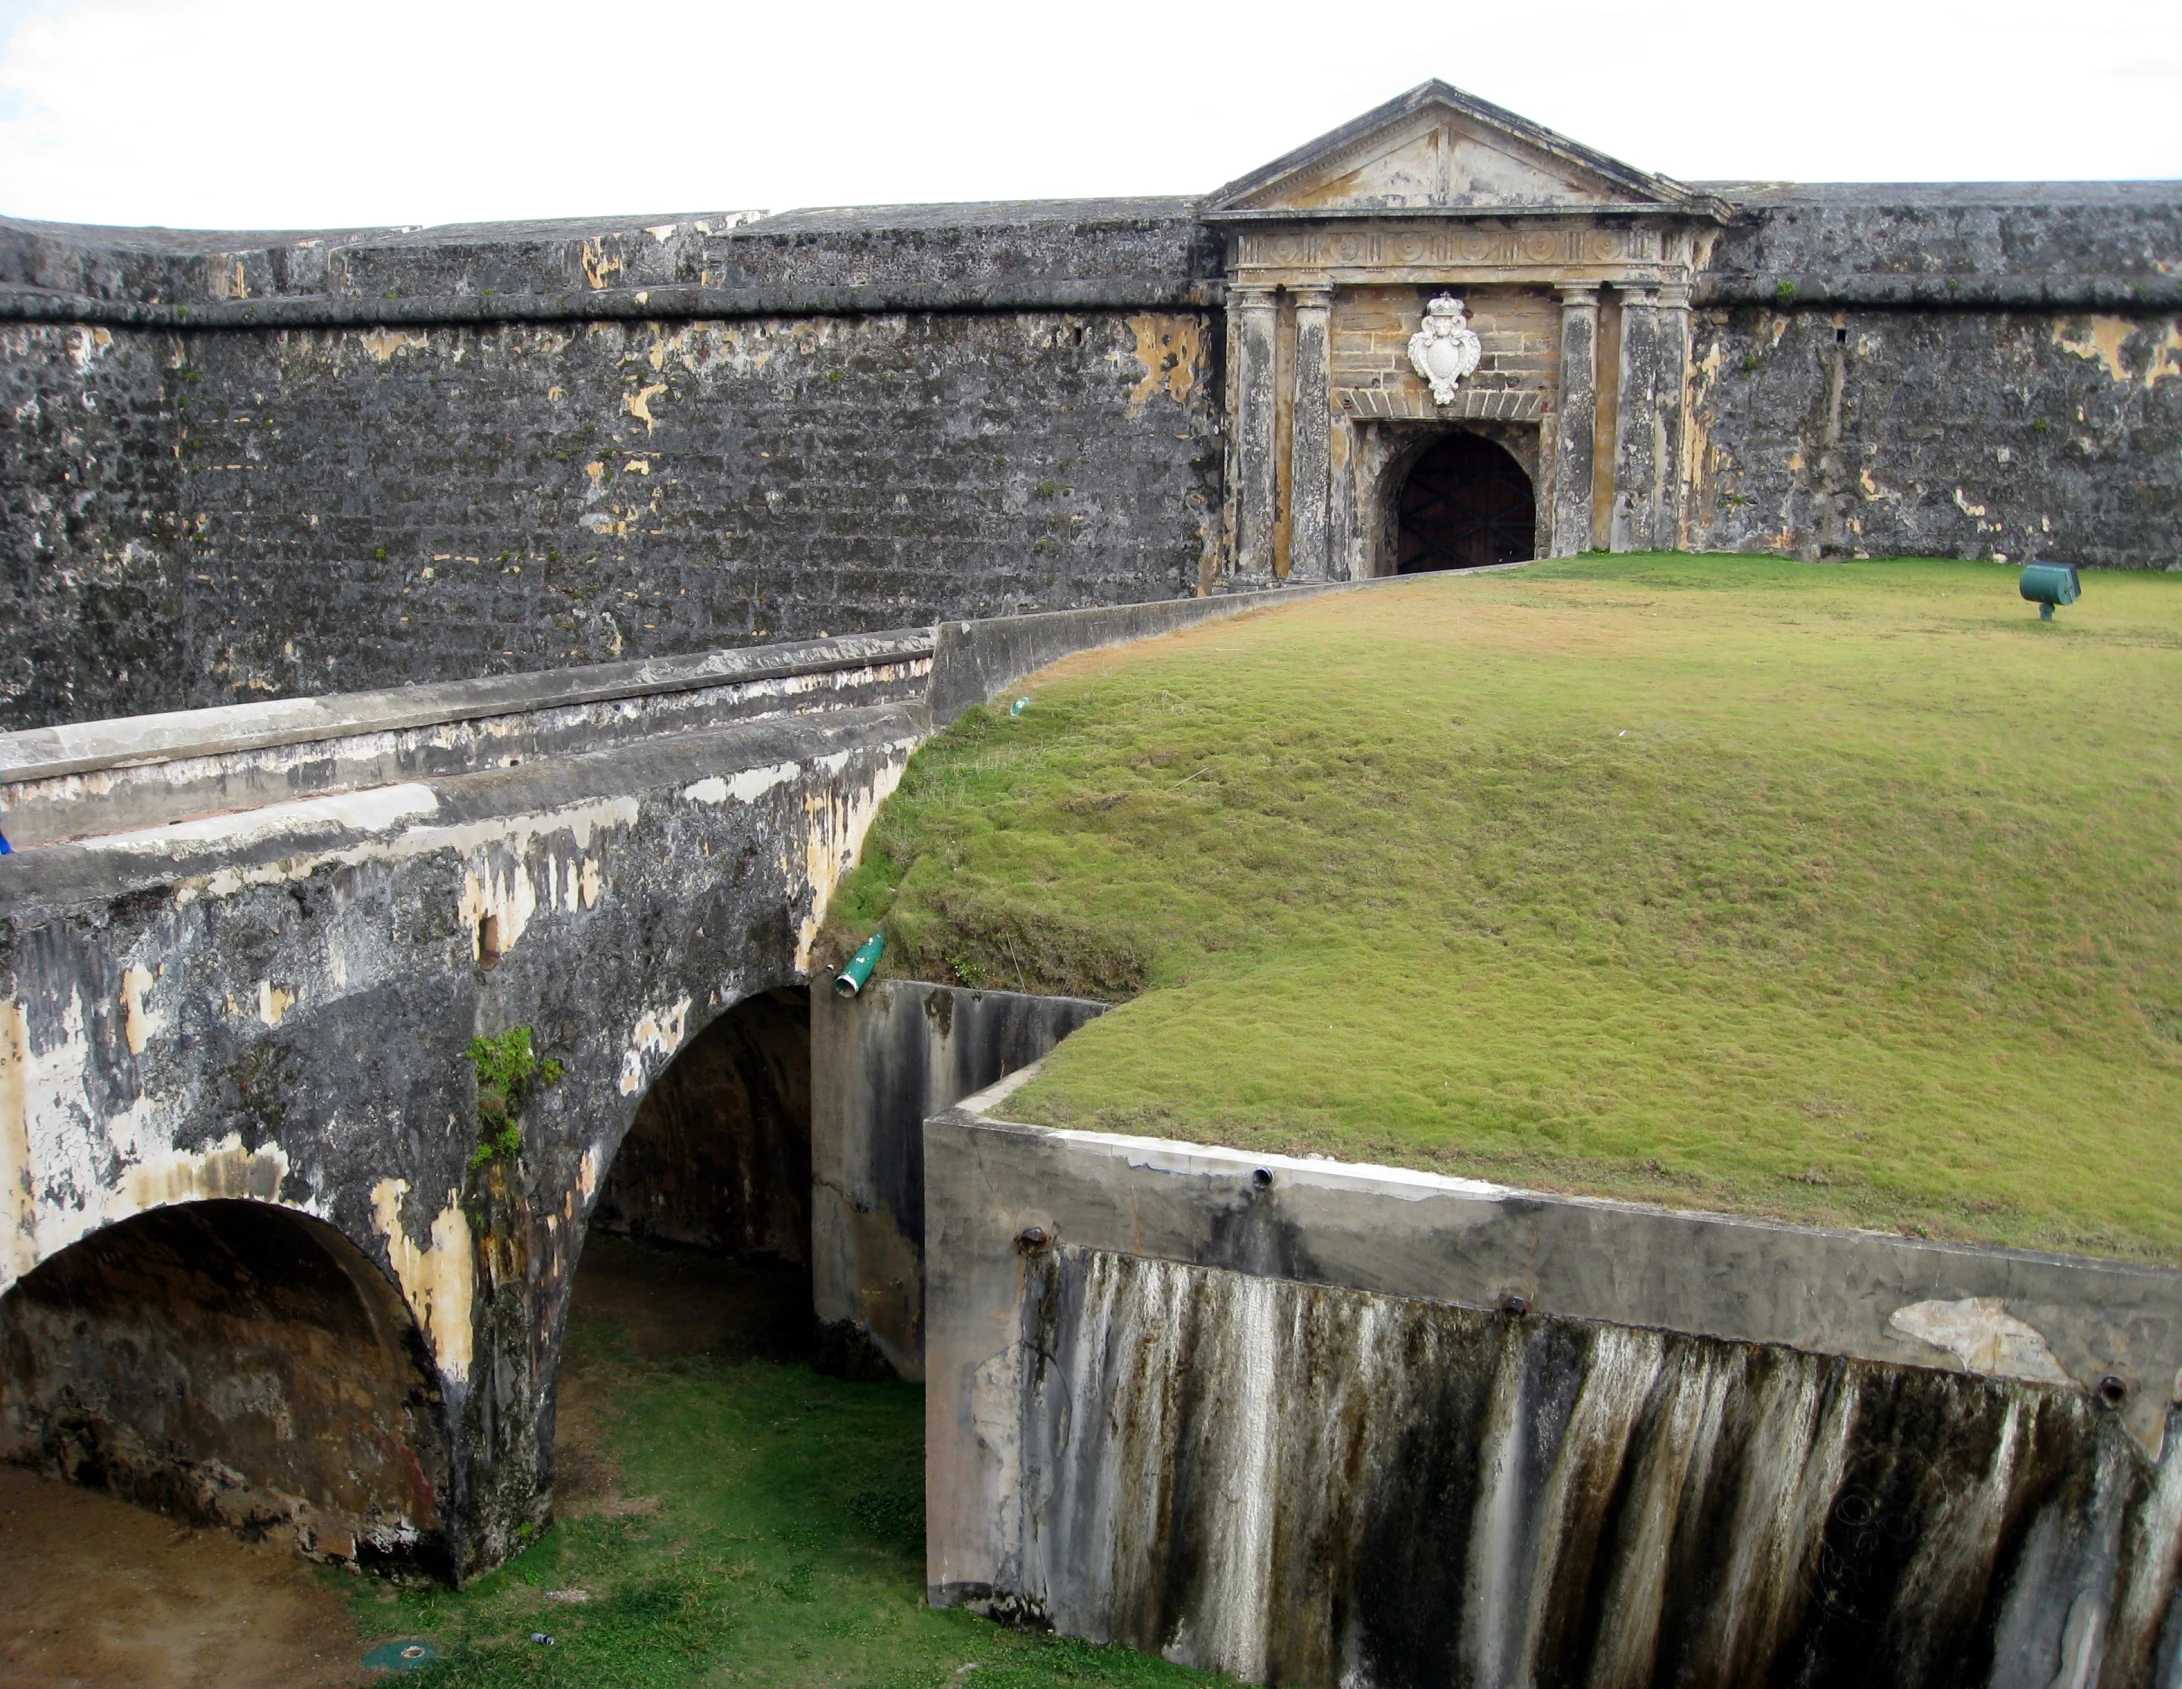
[1638,442]
[1256,483]
[1672,400]
[1575,439]
[1311,442]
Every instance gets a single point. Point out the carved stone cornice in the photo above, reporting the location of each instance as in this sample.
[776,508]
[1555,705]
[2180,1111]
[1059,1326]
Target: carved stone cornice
[1571,250]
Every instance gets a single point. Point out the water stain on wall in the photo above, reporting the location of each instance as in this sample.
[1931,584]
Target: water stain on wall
[1172,351]
[1305,1485]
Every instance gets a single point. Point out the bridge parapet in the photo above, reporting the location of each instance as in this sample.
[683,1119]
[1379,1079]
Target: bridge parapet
[94,779]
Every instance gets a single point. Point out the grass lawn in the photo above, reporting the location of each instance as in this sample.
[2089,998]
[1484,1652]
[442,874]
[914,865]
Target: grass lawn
[1848,893]
[758,1524]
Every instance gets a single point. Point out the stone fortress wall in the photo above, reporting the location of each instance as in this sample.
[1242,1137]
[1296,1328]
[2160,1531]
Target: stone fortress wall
[238,467]
[248,465]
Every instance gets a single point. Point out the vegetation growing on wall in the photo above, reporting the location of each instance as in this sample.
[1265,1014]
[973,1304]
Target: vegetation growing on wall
[1846,893]
[508,1072]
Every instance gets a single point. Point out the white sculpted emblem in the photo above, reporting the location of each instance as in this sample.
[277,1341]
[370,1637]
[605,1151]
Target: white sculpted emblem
[1443,350]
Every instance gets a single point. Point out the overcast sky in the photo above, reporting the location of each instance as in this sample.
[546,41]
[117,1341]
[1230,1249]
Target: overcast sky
[317,113]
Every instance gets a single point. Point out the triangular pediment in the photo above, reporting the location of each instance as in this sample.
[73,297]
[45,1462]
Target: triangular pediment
[1439,149]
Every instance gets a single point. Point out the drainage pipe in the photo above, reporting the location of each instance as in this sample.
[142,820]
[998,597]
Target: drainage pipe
[851,979]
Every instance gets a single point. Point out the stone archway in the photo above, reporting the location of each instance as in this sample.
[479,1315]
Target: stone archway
[239,1364]
[700,1237]
[1466,503]
[719,1154]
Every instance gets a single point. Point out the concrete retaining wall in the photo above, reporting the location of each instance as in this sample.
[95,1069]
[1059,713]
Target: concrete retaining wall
[881,1063]
[1328,1424]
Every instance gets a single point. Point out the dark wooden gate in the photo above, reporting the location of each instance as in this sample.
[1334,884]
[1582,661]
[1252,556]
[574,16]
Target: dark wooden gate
[1466,503]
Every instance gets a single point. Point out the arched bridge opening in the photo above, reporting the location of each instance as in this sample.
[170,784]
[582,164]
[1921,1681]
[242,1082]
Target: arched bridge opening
[700,1239]
[238,1364]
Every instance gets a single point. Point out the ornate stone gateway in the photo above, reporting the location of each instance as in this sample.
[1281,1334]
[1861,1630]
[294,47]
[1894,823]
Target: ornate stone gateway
[1441,266]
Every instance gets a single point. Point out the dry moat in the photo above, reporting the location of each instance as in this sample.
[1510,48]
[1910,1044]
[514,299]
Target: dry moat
[726,1515]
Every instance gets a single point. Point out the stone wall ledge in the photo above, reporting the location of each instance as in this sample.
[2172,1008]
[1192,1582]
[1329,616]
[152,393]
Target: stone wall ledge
[2110,1328]
[603,788]
[646,304]
[44,753]
[99,778]
[1804,289]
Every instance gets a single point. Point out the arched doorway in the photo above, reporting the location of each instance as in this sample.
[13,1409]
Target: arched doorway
[1466,503]
[238,1364]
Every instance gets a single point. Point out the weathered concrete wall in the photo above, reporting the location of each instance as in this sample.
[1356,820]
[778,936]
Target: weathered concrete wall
[2061,246]
[1973,370]
[1307,1485]
[235,465]
[471,502]
[1861,432]
[1327,1424]
[1008,254]
[91,582]
[240,1365]
[881,1063]
[379,458]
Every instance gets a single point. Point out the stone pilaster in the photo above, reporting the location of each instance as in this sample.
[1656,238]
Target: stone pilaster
[1639,442]
[1256,483]
[1310,445]
[1672,400]
[1575,436]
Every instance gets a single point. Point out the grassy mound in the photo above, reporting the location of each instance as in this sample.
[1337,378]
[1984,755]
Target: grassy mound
[1846,892]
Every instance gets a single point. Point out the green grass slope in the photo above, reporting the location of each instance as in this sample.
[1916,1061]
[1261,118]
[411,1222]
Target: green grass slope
[1844,892]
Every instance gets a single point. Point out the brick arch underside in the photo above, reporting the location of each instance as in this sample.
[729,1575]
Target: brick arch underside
[237,1364]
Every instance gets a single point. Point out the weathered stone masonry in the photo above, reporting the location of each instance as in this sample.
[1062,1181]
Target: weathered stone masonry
[485,451]
[240,465]
[257,1262]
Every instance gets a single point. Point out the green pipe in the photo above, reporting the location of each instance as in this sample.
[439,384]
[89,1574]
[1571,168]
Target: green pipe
[851,979]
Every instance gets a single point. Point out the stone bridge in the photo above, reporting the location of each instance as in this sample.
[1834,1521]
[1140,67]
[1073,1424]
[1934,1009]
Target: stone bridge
[261,1266]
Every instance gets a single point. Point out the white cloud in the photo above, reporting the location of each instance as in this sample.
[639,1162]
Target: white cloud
[274,113]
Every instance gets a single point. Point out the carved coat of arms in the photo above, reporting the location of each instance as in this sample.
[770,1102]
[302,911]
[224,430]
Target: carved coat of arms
[1444,349]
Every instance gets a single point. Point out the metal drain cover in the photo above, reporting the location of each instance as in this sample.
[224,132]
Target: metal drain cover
[405,1654]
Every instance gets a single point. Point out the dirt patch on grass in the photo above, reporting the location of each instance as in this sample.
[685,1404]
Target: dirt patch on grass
[98,1593]
[662,1304]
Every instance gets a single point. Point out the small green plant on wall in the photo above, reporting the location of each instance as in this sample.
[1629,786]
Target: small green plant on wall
[508,1070]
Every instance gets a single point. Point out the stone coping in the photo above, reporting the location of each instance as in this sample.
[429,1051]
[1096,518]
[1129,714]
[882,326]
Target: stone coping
[2112,1328]
[42,753]
[582,792]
